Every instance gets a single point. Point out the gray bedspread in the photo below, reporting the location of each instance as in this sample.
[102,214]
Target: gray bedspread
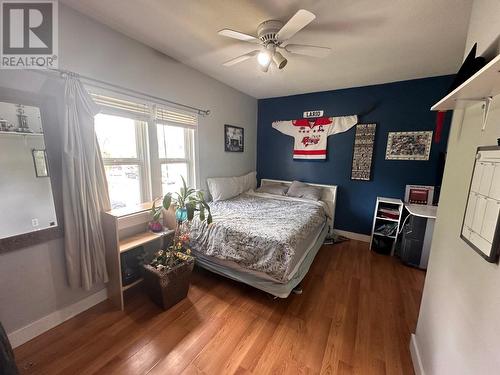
[259,233]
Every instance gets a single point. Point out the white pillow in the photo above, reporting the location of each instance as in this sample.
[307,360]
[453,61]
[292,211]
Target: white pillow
[249,181]
[276,189]
[301,190]
[223,188]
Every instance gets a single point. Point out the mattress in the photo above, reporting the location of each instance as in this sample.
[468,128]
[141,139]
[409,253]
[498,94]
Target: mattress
[263,234]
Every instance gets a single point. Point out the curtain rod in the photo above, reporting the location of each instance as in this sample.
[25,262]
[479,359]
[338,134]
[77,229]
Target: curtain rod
[126,91]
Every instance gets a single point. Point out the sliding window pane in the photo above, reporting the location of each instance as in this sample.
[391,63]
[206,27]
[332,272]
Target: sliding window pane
[171,176]
[124,185]
[116,136]
[171,142]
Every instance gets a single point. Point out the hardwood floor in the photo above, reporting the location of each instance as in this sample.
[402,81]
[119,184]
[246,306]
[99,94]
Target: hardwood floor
[354,317]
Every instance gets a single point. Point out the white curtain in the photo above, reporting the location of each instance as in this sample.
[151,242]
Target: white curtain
[85,190]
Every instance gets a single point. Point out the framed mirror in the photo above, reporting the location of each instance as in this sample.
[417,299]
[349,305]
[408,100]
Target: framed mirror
[27,208]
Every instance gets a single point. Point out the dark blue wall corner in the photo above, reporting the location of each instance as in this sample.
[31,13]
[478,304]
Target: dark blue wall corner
[399,106]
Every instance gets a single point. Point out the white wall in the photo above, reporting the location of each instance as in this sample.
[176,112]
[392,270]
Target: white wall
[91,49]
[32,280]
[483,25]
[458,330]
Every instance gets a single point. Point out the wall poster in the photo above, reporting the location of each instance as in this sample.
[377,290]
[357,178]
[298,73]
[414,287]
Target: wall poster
[408,145]
[362,156]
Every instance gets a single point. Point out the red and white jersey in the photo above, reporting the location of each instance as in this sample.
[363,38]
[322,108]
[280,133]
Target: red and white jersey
[311,134]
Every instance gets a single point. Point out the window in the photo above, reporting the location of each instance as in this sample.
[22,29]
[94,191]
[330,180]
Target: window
[120,140]
[174,150]
[135,171]
[175,135]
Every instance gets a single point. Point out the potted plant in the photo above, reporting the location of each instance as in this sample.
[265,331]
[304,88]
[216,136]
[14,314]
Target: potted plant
[155,225]
[167,275]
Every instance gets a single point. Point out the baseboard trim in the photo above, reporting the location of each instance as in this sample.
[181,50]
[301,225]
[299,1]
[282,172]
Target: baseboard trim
[42,325]
[353,235]
[415,356]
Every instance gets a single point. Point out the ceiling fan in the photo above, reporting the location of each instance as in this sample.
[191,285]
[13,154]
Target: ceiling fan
[272,35]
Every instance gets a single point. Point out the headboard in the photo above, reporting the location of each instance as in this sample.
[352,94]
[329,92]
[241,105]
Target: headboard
[329,196]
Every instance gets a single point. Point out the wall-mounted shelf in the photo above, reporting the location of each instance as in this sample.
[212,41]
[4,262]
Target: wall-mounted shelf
[478,88]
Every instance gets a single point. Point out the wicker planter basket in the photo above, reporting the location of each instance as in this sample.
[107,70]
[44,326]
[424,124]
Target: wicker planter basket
[168,287]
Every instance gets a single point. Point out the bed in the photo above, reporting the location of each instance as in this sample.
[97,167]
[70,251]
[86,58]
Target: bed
[264,240]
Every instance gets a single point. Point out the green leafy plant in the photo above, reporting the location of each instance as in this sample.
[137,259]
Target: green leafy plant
[192,201]
[156,212]
[189,199]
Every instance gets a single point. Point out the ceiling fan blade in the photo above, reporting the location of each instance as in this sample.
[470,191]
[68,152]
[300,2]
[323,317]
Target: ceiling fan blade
[237,35]
[298,21]
[302,49]
[241,58]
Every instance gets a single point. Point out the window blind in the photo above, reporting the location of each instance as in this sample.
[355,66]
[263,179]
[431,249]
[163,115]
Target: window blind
[161,114]
[137,109]
[171,116]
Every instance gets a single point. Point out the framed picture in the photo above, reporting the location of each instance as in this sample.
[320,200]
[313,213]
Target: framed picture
[40,162]
[233,138]
[408,145]
[362,155]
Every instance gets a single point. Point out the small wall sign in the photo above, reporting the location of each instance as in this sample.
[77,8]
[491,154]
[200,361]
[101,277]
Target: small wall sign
[313,114]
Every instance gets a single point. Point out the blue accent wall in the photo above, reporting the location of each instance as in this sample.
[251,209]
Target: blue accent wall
[399,106]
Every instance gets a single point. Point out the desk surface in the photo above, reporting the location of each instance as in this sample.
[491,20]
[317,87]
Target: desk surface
[422,210]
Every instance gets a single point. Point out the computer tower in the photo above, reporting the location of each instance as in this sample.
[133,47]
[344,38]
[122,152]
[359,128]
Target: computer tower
[412,241]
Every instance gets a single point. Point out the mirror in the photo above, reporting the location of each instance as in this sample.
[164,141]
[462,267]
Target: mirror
[26,199]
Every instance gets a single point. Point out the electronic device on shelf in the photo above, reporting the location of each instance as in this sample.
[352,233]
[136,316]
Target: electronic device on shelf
[419,194]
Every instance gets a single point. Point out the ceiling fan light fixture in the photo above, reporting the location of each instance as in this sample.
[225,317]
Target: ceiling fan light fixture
[279,60]
[265,68]
[264,58]
[273,35]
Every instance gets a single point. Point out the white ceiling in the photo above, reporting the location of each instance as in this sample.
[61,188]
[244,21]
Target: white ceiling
[372,41]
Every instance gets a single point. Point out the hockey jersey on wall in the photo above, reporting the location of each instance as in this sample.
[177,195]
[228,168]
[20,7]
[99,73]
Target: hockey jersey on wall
[311,134]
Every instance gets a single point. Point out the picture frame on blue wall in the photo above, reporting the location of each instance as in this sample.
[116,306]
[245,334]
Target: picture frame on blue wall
[362,156]
[234,138]
[409,145]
